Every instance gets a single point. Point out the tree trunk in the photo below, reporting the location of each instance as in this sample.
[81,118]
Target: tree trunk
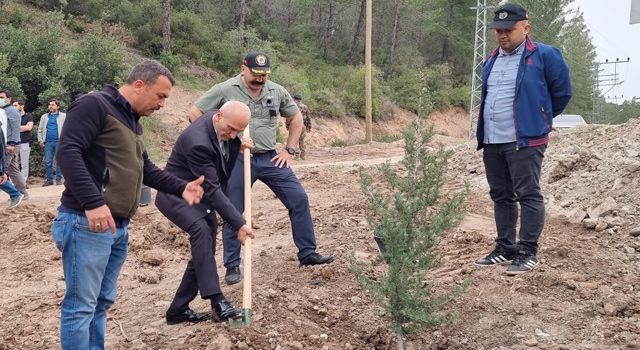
[358,33]
[166,26]
[399,342]
[328,31]
[444,57]
[394,39]
[242,14]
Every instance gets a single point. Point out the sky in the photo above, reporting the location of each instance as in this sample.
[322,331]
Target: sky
[614,37]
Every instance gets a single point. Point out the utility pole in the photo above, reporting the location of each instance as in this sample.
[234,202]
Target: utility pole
[604,80]
[367,80]
[479,52]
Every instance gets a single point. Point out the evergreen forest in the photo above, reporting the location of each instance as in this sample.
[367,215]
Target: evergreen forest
[59,48]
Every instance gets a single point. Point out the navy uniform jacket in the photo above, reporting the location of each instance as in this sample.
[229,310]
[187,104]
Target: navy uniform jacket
[197,152]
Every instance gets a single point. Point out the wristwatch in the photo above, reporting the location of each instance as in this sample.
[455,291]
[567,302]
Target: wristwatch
[291,150]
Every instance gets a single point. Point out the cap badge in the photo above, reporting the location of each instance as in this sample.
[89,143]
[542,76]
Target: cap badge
[261,60]
[503,15]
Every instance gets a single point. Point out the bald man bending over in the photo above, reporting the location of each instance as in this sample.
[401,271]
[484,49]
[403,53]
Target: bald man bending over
[207,147]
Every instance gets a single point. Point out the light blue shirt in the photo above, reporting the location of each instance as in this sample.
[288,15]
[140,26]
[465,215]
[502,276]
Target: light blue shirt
[499,125]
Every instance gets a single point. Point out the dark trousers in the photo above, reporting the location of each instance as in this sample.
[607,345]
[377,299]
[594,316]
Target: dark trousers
[201,273]
[285,185]
[514,176]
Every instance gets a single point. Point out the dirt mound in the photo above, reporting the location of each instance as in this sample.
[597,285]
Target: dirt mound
[590,175]
[584,295]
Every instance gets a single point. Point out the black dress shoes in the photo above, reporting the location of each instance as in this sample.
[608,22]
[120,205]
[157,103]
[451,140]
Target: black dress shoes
[233,275]
[316,259]
[186,316]
[223,310]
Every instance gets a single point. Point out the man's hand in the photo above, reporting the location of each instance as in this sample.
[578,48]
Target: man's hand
[3,179]
[42,145]
[11,150]
[245,143]
[245,232]
[100,219]
[193,192]
[282,159]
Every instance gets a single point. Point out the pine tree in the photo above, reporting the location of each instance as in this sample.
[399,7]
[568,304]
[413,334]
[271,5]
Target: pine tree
[408,215]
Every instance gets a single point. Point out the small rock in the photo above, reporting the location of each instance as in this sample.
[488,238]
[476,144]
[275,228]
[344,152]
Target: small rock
[153,257]
[531,342]
[601,226]
[541,333]
[295,345]
[635,232]
[589,223]
[355,299]
[324,336]
[629,250]
[220,342]
[327,274]
[242,346]
[571,284]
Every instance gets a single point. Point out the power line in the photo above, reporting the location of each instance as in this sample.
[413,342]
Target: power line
[604,80]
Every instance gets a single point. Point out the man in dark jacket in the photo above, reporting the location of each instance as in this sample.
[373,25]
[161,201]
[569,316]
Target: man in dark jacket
[524,85]
[104,162]
[208,147]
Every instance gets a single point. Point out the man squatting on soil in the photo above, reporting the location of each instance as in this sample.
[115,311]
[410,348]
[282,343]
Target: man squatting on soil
[209,147]
[266,100]
[104,162]
[524,85]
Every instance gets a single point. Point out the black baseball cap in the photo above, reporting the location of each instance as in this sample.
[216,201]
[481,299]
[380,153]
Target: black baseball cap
[257,62]
[507,15]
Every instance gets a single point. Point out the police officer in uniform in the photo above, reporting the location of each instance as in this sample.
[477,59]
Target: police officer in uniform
[266,100]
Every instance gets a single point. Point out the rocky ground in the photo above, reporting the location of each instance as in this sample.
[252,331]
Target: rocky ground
[584,294]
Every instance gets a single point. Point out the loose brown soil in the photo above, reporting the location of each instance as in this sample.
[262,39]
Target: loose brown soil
[584,294]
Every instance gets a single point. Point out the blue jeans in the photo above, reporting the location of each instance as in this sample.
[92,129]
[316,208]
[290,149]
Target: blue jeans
[514,177]
[50,148]
[285,185]
[91,262]
[10,189]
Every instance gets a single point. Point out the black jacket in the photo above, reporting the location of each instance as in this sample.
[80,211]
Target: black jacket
[103,159]
[197,152]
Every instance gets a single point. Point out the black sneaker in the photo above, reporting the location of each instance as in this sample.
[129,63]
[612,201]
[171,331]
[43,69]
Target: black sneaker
[523,262]
[233,275]
[496,257]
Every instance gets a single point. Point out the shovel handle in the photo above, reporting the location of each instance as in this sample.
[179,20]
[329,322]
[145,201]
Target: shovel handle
[246,282]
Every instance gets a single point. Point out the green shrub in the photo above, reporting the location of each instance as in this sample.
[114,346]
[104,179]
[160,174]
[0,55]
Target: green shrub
[172,62]
[233,46]
[405,90]
[36,158]
[75,25]
[355,94]
[93,63]
[327,103]
[439,82]
[459,96]
[192,37]
[49,4]
[31,55]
